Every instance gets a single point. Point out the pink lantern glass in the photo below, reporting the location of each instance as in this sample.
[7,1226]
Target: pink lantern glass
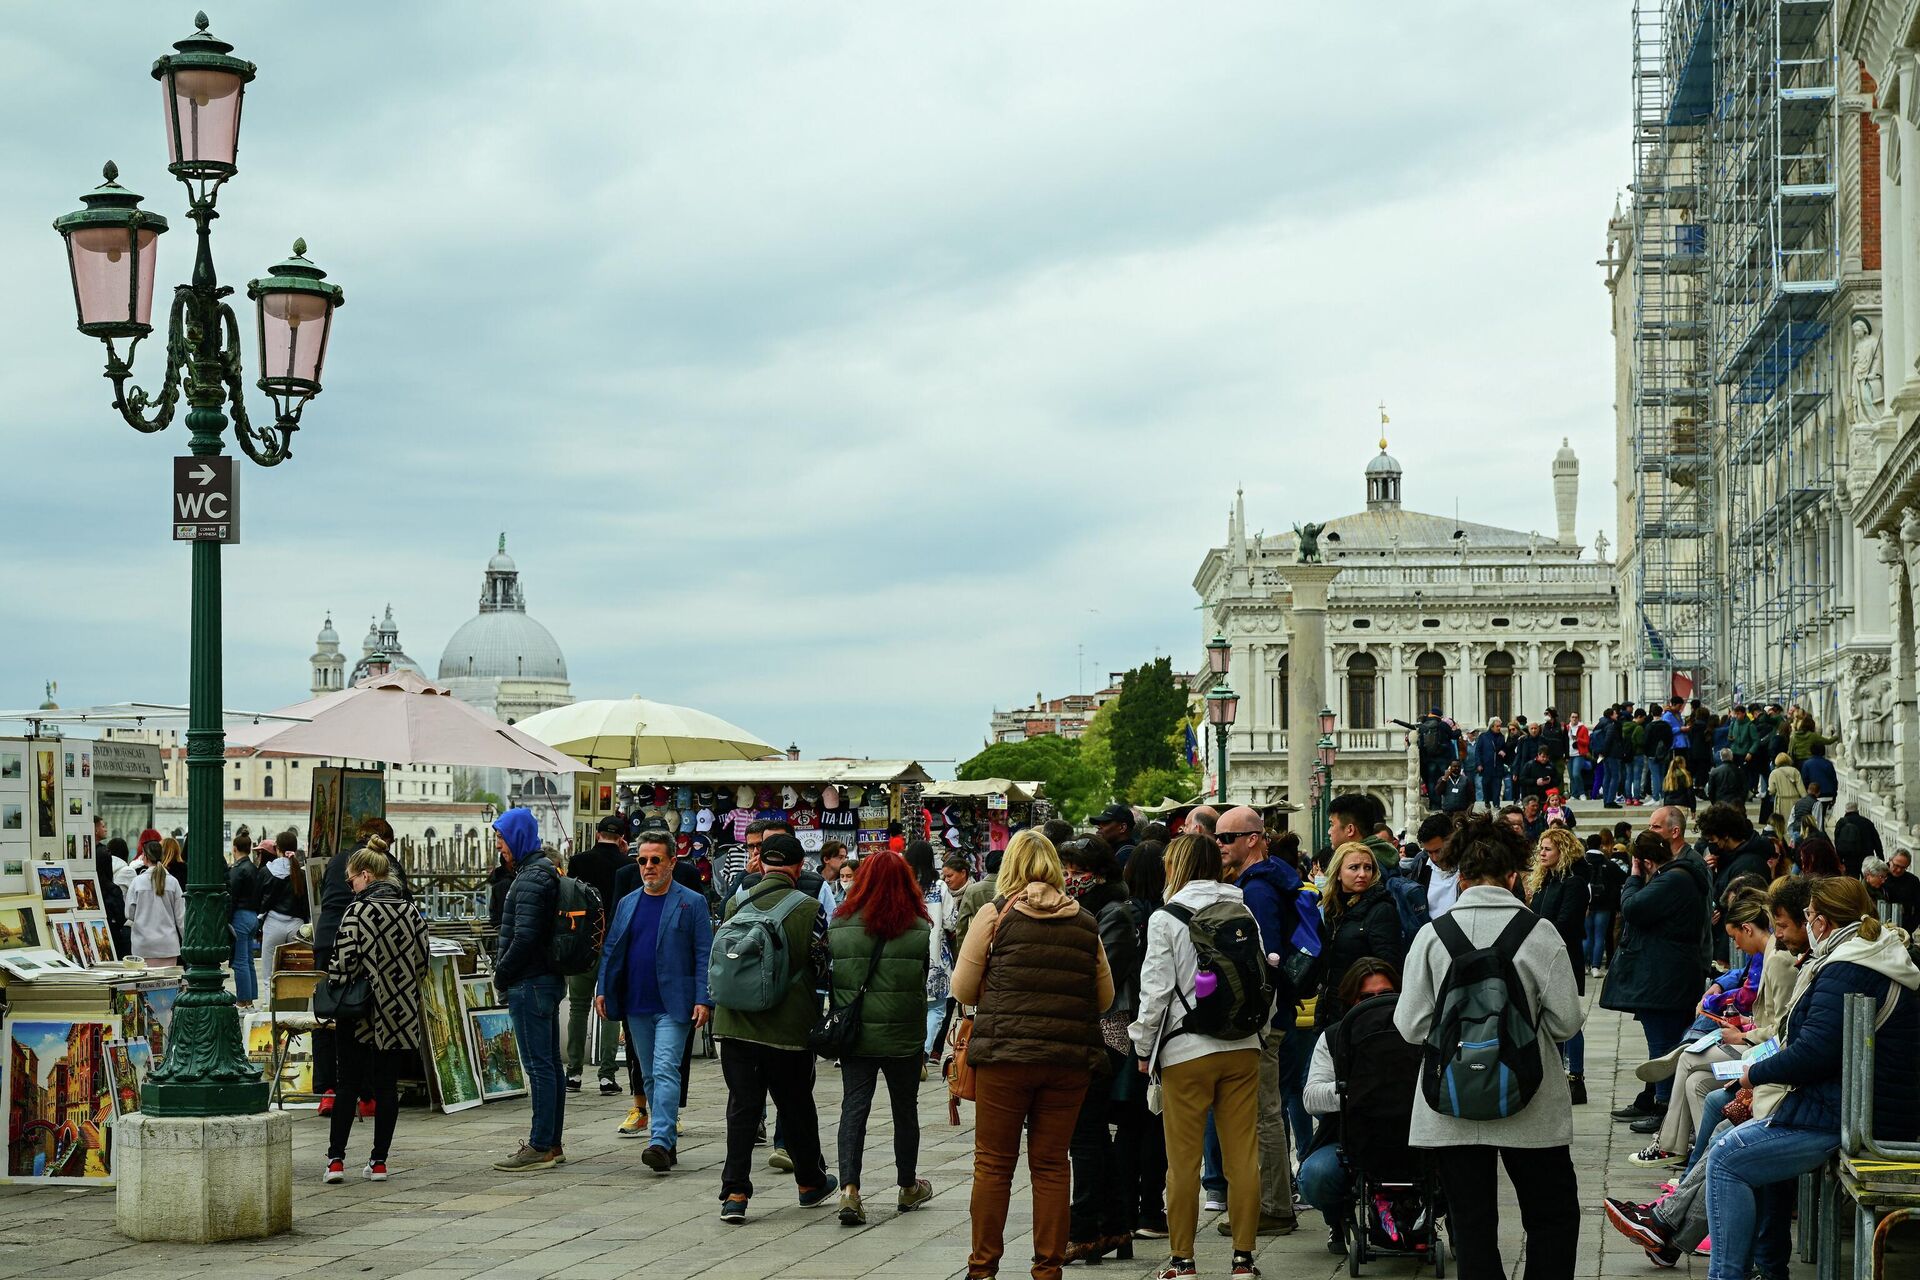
[113,274]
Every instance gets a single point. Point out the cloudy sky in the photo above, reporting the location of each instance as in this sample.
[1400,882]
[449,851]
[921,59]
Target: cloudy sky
[847,370]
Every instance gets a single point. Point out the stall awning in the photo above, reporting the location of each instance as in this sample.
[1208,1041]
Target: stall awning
[1017,792]
[780,773]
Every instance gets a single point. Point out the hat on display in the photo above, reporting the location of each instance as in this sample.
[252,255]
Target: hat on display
[703,796]
[670,818]
[789,797]
[698,846]
[686,821]
[743,796]
[681,845]
[703,820]
[660,795]
[763,798]
[830,796]
[811,795]
[683,797]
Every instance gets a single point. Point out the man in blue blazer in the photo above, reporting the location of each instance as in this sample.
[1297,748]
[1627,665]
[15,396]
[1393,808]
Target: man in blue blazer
[653,977]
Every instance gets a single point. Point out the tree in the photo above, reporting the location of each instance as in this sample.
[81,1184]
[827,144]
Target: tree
[1151,786]
[1075,789]
[1146,722]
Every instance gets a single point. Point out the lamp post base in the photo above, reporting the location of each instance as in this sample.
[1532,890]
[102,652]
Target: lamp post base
[198,1181]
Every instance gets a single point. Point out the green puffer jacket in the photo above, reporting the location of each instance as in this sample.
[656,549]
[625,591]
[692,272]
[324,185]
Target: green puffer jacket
[893,1016]
[787,1024]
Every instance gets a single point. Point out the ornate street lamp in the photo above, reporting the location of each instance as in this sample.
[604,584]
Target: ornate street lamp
[1219,655]
[110,255]
[1223,705]
[1326,721]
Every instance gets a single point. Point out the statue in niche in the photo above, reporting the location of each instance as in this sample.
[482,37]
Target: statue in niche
[1865,382]
[1307,543]
[1868,690]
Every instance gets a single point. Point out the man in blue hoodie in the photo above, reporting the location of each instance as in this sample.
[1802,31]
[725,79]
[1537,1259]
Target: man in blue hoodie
[524,974]
[1271,889]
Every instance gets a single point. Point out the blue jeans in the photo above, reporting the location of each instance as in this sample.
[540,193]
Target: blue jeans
[1580,780]
[1646,777]
[1610,780]
[1710,1109]
[1296,1055]
[246,928]
[534,1004]
[1599,937]
[936,1014]
[1325,1183]
[1663,1029]
[1750,1190]
[1487,788]
[1574,1053]
[1213,1166]
[658,1041]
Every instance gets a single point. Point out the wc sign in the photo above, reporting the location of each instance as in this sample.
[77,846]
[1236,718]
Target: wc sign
[206,500]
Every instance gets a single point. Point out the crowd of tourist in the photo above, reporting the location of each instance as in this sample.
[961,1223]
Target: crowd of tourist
[1160,1020]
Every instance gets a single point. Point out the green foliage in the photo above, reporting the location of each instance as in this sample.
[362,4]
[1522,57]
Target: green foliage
[1151,786]
[1096,748]
[1146,722]
[1075,789]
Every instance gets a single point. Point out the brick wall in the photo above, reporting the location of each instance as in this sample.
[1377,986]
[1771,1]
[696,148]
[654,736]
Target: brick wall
[1869,183]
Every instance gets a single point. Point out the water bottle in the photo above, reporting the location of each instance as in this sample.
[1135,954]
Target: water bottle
[1205,982]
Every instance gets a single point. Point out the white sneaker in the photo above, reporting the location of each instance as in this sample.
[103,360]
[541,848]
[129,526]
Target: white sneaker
[1215,1204]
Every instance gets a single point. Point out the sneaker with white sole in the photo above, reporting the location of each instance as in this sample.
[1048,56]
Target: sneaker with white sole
[1653,1155]
[1637,1223]
[528,1159]
[376,1171]
[1215,1204]
[608,1086]
[635,1125]
[779,1159]
[1176,1269]
[336,1172]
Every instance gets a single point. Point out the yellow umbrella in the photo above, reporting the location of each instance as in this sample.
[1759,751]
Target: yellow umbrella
[621,733]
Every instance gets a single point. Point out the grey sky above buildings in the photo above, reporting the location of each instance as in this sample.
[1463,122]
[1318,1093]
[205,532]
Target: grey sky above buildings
[837,368]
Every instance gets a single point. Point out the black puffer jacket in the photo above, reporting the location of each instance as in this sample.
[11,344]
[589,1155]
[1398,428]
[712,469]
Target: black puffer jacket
[1120,935]
[1750,859]
[336,893]
[1370,926]
[526,923]
[1658,966]
[1562,901]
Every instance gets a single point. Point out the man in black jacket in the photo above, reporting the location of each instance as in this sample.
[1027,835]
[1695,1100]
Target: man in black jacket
[597,865]
[1727,784]
[1734,849]
[1535,776]
[1856,839]
[523,972]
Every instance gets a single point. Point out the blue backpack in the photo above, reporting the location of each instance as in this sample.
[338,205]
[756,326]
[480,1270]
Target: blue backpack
[1410,899]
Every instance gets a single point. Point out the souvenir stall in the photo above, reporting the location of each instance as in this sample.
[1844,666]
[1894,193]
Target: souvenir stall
[708,805]
[977,818]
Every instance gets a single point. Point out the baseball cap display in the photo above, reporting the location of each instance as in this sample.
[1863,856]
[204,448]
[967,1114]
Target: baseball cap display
[660,795]
[703,820]
[830,796]
[683,797]
[686,821]
[743,796]
[789,797]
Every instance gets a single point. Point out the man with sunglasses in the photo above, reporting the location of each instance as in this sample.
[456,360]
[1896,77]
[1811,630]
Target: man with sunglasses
[653,979]
[1272,892]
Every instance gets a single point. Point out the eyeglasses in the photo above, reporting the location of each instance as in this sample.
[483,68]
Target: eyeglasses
[1228,837]
[650,862]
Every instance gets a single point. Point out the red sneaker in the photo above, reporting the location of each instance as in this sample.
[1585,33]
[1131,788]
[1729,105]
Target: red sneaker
[366,1108]
[326,1103]
[376,1171]
[336,1171]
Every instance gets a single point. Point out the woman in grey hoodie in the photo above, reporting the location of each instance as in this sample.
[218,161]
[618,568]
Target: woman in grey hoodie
[1535,1142]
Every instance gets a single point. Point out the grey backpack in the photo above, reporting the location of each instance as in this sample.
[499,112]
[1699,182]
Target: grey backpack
[1482,1057]
[751,965]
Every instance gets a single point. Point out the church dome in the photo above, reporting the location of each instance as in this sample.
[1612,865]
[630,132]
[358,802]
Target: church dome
[505,645]
[327,634]
[501,641]
[1383,463]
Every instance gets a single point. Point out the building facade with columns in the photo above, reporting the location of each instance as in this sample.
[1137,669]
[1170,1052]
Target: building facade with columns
[1420,611]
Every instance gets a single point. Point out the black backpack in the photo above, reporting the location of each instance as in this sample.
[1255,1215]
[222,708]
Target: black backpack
[1433,738]
[579,927]
[1226,939]
[1482,1056]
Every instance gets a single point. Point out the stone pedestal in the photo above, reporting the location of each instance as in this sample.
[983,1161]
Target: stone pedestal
[1306,682]
[193,1181]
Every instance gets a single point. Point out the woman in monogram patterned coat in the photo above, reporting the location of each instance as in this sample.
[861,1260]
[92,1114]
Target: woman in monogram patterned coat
[383,939]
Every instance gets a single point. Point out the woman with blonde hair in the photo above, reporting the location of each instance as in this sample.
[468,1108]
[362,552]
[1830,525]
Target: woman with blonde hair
[156,909]
[383,939]
[1199,1072]
[176,861]
[1559,893]
[1033,966]
[1853,954]
[1361,921]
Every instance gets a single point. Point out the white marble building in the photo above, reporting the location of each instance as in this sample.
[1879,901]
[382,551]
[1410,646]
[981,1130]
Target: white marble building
[1427,610]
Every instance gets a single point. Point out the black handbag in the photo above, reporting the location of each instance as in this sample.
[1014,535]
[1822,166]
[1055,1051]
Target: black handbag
[348,1003]
[836,1033]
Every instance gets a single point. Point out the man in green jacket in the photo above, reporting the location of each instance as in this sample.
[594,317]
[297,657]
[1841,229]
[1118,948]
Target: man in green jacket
[1743,739]
[764,1051]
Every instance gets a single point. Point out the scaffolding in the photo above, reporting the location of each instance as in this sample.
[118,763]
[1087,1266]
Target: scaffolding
[1675,562]
[1735,410]
[1775,270]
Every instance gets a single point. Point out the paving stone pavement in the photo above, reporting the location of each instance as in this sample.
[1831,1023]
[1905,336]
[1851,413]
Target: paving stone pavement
[446,1215]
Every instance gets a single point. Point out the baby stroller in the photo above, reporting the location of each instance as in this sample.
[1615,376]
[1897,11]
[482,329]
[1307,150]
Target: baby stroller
[1397,1209]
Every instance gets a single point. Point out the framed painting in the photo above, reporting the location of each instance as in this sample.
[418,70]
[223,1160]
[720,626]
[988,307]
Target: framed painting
[60,1097]
[55,889]
[44,825]
[13,872]
[363,795]
[497,1050]
[97,937]
[30,964]
[443,1038]
[128,1063]
[71,941]
[20,925]
[84,882]
[13,769]
[13,816]
[145,1011]
[478,993]
[323,815]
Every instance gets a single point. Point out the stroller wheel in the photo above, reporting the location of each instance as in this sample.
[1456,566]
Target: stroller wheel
[1439,1254]
[1356,1242]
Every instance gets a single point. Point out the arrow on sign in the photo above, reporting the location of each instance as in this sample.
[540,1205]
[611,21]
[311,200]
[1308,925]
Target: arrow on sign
[204,475]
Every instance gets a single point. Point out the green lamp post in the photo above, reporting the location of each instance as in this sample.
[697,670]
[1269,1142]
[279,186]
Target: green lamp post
[111,246]
[1223,705]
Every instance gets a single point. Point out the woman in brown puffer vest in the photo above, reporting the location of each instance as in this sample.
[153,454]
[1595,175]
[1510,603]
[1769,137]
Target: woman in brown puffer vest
[1033,964]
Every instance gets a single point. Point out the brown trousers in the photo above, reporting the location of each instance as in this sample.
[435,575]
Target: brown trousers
[1229,1085]
[1045,1101]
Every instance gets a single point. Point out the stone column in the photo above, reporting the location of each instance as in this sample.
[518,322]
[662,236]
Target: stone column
[1906,712]
[1307,688]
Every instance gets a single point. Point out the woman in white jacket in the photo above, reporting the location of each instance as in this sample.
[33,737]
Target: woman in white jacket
[156,910]
[1198,1073]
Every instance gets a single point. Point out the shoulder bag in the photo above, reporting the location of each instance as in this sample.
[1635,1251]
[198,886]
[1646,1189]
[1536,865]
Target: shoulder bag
[839,1030]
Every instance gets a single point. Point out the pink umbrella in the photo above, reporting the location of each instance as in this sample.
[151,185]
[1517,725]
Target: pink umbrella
[400,718]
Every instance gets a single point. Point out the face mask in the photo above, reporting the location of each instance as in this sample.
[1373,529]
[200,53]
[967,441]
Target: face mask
[1320,883]
[1078,882]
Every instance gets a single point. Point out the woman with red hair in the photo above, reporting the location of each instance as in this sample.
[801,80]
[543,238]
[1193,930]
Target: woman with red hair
[879,941]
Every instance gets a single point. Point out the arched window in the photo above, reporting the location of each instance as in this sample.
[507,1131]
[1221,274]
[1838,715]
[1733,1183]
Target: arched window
[1363,675]
[1569,676]
[1499,683]
[1429,683]
[266,786]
